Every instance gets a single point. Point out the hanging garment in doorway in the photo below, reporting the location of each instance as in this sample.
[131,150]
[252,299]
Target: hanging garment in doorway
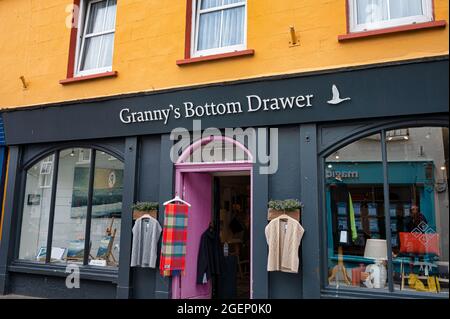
[146,233]
[173,249]
[210,256]
[283,235]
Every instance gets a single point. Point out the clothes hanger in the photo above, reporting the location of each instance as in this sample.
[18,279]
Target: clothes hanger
[177,199]
[284,217]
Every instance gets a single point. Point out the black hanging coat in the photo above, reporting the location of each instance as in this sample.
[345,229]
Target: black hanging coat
[210,256]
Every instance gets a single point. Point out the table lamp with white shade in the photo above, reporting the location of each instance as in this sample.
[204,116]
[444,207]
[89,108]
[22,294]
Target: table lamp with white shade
[376,249]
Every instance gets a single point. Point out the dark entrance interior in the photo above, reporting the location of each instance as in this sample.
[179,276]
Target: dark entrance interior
[231,218]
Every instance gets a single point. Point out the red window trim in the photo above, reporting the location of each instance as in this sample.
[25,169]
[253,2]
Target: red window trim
[188,41]
[364,34]
[215,57]
[403,28]
[73,42]
[188,35]
[89,77]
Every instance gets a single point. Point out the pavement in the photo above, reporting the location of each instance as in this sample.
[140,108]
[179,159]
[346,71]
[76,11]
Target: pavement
[17,297]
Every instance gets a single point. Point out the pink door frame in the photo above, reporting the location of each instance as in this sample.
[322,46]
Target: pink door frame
[237,166]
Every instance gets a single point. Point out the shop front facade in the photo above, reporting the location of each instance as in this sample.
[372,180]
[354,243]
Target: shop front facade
[351,144]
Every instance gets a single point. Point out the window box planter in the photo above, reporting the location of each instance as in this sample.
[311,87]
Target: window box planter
[145,208]
[290,207]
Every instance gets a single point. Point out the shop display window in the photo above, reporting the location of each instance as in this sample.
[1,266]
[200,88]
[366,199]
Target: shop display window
[362,250]
[78,206]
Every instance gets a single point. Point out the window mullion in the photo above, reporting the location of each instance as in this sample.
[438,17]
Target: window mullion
[87,245]
[387,215]
[51,217]
[221,29]
[388,4]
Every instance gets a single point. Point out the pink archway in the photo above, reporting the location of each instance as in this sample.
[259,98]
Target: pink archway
[225,139]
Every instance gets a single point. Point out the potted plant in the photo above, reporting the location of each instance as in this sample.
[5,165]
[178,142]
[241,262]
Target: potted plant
[289,207]
[142,208]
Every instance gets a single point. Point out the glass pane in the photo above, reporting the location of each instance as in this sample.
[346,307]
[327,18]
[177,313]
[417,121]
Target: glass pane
[233,26]
[225,2]
[106,51]
[418,182]
[218,151]
[209,31]
[91,52]
[371,11]
[36,210]
[207,4]
[106,210]
[96,17]
[69,225]
[405,8]
[111,15]
[357,250]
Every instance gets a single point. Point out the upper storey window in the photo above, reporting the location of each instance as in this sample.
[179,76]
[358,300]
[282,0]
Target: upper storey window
[96,39]
[219,26]
[366,15]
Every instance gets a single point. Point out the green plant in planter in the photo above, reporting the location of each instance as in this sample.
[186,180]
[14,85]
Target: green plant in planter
[145,206]
[288,205]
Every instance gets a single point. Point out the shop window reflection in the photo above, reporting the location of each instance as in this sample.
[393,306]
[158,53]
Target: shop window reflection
[418,184]
[357,248]
[71,207]
[36,209]
[106,210]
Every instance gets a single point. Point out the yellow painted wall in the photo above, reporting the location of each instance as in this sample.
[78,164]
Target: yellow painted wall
[34,42]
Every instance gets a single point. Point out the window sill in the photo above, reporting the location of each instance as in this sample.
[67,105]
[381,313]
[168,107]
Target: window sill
[411,27]
[373,293]
[89,77]
[86,272]
[216,57]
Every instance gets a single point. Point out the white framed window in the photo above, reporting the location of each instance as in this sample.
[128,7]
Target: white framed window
[46,172]
[84,156]
[96,39]
[366,15]
[220,26]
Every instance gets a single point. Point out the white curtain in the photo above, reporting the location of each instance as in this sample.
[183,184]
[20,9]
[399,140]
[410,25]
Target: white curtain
[98,50]
[106,51]
[91,51]
[405,8]
[96,17]
[206,4]
[233,26]
[372,11]
[209,30]
[221,28]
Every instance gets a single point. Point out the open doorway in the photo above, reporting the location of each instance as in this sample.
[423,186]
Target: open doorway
[220,201]
[231,216]
[219,190]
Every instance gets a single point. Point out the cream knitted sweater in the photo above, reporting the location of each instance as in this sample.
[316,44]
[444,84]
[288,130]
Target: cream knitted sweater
[283,235]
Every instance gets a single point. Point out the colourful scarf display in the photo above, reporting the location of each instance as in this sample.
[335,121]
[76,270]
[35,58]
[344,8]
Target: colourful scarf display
[173,249]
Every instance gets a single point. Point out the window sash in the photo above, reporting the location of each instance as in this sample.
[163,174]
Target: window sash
[85,35]
[388,23]
[196,28]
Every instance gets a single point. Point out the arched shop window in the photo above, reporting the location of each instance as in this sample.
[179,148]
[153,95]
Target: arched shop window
[394,244]
[72,207]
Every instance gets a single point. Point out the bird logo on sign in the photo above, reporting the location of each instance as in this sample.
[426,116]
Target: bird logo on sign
[336,99]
